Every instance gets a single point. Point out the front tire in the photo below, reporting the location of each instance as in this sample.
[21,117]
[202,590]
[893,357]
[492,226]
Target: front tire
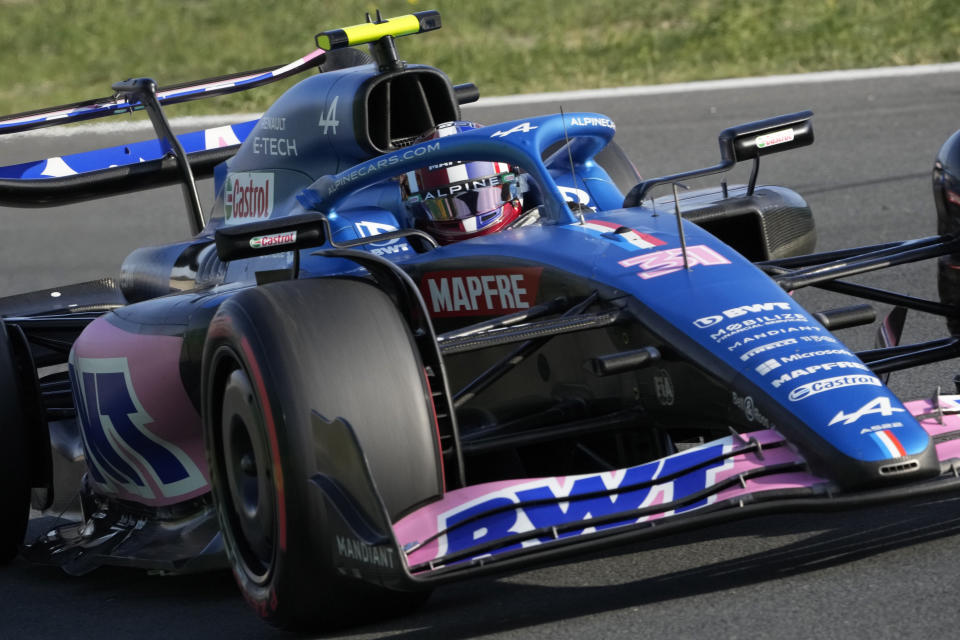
[278,359]
[14,455]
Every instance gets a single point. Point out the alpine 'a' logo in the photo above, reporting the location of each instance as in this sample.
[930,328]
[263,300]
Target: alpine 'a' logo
[880,405]
[525,127]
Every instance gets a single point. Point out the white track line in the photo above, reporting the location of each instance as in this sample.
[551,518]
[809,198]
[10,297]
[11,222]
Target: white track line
[200,122]
[115,124]
[730,83]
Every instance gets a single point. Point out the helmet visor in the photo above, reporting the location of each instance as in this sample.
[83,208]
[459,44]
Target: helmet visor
[468,198]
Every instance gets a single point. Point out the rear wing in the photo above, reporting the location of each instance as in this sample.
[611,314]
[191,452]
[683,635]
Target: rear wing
[114,170]
[174,94]
[169,159]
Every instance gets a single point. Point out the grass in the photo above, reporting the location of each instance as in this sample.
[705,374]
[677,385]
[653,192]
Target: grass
[60,51]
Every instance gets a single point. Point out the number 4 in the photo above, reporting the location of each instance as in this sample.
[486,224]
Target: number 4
[330,120]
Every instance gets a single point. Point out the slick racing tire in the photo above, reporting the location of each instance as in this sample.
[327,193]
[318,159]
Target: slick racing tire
[277,359]
[14,455]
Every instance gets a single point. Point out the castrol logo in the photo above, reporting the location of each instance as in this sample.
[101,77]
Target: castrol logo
[273,240]
[248,197]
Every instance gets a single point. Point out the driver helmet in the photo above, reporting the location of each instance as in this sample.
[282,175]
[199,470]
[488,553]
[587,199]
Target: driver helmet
[456,201]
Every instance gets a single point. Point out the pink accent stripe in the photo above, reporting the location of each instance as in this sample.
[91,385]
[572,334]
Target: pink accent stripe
[233,81]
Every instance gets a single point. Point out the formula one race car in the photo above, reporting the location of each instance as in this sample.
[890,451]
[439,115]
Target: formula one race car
[403,350]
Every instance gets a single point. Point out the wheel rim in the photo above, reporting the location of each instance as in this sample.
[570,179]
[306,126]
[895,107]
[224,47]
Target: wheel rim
[249,498]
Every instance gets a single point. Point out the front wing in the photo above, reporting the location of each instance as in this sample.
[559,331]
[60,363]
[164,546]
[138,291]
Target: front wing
[499,526]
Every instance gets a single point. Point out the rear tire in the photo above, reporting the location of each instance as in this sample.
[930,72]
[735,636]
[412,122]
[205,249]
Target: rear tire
[276,358]
[14,455]
[946,187]
[948,285]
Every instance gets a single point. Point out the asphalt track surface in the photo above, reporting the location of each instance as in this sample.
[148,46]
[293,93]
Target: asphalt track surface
[880,572]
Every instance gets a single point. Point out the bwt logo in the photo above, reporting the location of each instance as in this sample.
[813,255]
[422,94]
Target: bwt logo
[550,502]
[122,454]
[736,312]
[367,229]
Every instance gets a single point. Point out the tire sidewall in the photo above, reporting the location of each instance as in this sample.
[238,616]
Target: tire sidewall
[267,597]
[14,455]
[254,331]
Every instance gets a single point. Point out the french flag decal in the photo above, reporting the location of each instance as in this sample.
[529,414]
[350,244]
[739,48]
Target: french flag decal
[636,238]
[889,443]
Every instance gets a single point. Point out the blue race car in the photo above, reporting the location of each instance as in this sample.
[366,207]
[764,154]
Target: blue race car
[404,349]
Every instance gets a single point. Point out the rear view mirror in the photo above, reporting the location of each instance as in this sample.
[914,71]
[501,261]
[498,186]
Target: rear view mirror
[743,142]
[270,236]
[754,139]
